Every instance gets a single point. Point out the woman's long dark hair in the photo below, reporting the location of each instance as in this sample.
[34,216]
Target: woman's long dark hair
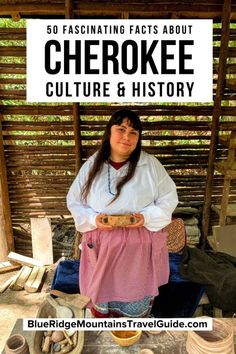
[103,153]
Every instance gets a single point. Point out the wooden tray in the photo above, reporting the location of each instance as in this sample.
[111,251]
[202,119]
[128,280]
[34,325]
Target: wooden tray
[45,310]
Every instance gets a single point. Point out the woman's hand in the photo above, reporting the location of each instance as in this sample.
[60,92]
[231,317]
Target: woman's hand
[100,224]
[139,223]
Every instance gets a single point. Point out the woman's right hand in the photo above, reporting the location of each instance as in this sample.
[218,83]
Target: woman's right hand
[100,224]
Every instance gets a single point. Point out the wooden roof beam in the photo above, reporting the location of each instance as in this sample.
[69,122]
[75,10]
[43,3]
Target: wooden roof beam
[86,8]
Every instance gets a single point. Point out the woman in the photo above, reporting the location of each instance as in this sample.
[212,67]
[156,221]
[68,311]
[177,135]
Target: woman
[121,268]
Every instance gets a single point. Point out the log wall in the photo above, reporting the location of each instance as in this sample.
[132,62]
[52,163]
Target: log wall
[39,139]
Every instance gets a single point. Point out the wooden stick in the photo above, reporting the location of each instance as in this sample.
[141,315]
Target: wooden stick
[8,267]
[68,338]
[7,283]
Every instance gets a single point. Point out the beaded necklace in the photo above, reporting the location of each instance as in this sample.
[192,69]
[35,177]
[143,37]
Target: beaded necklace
[116,166]
[109,179]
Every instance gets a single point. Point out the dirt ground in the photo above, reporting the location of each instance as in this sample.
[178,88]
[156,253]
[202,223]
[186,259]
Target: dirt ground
[18,304]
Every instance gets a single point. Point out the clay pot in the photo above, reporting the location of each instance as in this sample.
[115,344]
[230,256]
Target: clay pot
[16,344]
[219,340]
[146,351]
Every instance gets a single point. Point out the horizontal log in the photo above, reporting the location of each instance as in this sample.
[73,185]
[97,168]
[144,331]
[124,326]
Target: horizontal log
[20,51]
[13,94]
[40,212]
[44,159]
[33,157]
[12,30]
[48,202]
[62,110]
[12,70]
[95,110]
[163,157]
[37,137]
[94,125]
[29,179]
[36,126]
[40,170]
[39,149]
[17,95]
[43,168]
[231,68]
[231,52]
[99,137]
[12,51]
[37,193]
[157,137]
[12,81]
[38,9]
[9,35]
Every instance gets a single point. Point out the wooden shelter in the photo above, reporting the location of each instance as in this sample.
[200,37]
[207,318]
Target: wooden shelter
[42,146]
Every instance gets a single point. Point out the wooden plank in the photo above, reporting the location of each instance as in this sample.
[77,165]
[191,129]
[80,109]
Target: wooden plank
[225,237]
[7,283]
[28,261]
[18,284]
[41,233]
[35,279]
[8,267]
[224,201]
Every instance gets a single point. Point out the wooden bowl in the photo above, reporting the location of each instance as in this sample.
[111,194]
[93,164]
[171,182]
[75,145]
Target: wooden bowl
[47,310]
[126,338]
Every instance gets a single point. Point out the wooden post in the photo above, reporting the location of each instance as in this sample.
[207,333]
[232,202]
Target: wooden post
[76,114]
[77,133]
[215,117]
[6,232]
[227,184]
[68,9]
[125,15]
[224,201]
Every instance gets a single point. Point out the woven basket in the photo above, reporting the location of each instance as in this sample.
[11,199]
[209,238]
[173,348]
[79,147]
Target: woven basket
[176,235]
[218,341]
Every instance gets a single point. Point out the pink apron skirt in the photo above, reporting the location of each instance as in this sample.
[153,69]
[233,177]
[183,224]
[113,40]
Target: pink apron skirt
[124,264]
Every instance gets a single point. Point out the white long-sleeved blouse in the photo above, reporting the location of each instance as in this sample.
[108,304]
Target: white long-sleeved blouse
[151,192]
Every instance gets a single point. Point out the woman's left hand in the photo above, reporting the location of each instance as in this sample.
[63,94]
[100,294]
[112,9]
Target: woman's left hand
[139,222]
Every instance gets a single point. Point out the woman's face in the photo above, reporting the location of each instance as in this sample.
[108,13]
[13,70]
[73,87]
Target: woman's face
[123,141]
